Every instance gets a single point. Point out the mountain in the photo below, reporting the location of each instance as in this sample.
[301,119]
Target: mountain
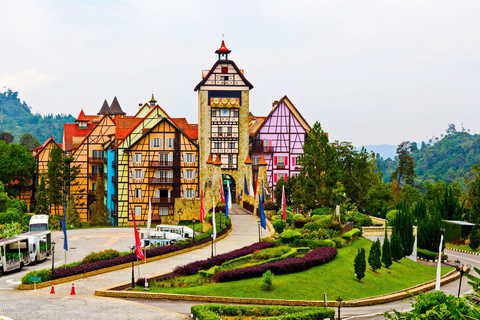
[385,150]
[16,117]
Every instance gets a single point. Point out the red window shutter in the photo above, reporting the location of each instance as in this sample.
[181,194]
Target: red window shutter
[286,177]
[224,69]
[293,161]
[274,177]
[275,161]
[286,161]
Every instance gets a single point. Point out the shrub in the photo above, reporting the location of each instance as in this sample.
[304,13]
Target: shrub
[396,245]
[358,219]
[339,242]
[474,240]
[267,280]
[374,257]
[360,264]
[299,224]
[351,234]
[270,253]
[101,256]
[288,215]
[291,265]
[429,255]
[321,212]
[314,244]
[298,216]
[279,225]
[288,236]
[44,274]
[270,205]
[141,282]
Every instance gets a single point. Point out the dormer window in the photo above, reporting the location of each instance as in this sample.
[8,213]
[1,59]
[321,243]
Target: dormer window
[224,69]
[82,124]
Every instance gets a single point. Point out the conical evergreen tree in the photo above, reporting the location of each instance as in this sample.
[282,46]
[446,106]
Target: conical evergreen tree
[73,218]
[374,258]
[100,215]
[386,251]
[360,264]
[397,251]
[41,206]
[474,240]
[54,178]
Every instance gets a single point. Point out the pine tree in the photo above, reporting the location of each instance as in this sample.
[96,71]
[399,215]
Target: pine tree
[41,206]
[100,215]
[73,218]
[374,258]
[54,177]
[474,240]
[360,264]
[386,251]
[397,251]
[403,224]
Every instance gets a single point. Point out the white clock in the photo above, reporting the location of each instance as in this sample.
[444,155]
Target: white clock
[225,112]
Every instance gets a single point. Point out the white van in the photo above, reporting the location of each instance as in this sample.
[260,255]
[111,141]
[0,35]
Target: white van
[184,231]
[38,222]
[39,245]
[13,254]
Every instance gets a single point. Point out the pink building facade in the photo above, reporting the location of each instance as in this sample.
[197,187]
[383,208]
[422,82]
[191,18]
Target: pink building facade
[279,138]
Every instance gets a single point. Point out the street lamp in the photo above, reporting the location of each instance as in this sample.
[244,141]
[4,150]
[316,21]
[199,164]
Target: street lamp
[259,230]
[339,300]
[193,228]
[457,266]
[53,256]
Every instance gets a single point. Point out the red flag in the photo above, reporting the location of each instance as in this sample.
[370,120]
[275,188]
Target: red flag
[256,188]
[202,209]
[284,216]
[138,245]
[221,192]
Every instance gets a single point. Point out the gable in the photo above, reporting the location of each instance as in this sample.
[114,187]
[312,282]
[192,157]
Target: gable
[224,75]
[100,133]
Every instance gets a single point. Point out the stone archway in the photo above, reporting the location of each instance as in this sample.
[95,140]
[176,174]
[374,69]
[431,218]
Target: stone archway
[233,186]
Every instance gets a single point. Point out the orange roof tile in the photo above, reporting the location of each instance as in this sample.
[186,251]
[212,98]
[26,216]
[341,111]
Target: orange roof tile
[81,116]
[248,160]
[191,133]
[262,161]
[217,161]
[71,130]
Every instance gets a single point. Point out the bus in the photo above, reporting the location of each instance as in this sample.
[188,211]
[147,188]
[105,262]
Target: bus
[39,245]
[38,222]
[14,254]
[184,231]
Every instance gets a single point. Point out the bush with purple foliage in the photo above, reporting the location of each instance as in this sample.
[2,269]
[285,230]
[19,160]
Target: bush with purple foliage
[194,267]
[291,265]
[299,224]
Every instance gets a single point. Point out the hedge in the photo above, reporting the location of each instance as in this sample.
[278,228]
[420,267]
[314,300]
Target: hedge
[314,244]
[351,234]
[291,265]
[429,255]
[299,224]
[218,311]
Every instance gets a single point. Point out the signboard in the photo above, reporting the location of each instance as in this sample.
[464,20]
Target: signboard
[35,279]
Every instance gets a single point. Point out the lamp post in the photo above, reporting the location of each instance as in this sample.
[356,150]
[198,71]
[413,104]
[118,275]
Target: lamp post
[193,228]
[339,300]
[133,266]
[259,231]
[53,256]
[457,266]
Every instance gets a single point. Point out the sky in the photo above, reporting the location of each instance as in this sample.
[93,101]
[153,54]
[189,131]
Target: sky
[371,72]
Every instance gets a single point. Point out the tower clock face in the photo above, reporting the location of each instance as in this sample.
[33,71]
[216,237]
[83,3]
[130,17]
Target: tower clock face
[225,112]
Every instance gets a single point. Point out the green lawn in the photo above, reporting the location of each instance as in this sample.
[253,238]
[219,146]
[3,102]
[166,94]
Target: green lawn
[464,247]
[336,278]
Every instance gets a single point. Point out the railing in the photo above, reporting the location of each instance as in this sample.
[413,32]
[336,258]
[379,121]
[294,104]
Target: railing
[164,180]
[163,200]
[248,206]
[92,192]
[255,167]
[265,149]
[157,217]
[96,159]
[165,163]
[95,175]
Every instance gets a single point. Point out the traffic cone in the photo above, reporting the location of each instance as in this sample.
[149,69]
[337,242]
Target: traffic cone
[72,293]
[53,290]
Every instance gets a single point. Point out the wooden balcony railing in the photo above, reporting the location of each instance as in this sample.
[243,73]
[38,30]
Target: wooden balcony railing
[97,159]
[164,180]
[95,175]
[162,200]
[164,163]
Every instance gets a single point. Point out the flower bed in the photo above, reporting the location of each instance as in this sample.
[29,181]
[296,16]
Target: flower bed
[290,265]
[218,311]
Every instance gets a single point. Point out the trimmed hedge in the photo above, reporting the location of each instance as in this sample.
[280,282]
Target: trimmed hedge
[217,311]
[314,244]
[44,274]
[351,234]
[429,255]
[291,265]
[195,267]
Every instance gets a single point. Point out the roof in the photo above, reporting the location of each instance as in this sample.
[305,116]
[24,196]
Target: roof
[91,130]
[191,133]
[201,83]
[262,161]
[105,108]
[209,160]
[223,48]
[40,148]
[462,223]
[217,160]
[248,160]
[81,116]
[255,124]
[115,107]
[125,126]
[153,99]
[71,130]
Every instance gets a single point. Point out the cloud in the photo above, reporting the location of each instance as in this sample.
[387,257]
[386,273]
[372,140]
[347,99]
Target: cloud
[26,81]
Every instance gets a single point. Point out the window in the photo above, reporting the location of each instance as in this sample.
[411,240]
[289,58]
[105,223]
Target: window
[230,159]
[218,145]
[281,162]
[189,174]
[138,193]
[138,174]
[214,112]
[189,158]
[229,129]
[266,145]
[225,112]
[224,69]
[163,175]
[163,211]
[164,157]
[255,160]
[97,169]
[224,78]
[169,142]
[231,145]
[235,113]
[275,178]
[156,142]
[220,129]
[94,186]
[189,194]
[97,153]
[138,211]
[137,157]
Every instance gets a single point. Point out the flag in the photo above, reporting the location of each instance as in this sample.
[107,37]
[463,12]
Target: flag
[221,192]
[149,222]
[284,217]
[138,245]
[65,242]
[226,201]
[256,187]
[439,266]
[202,209]
[245,187]
[214,222]
[263,192]
[265,188]
[252,192]
[229,202]
[263,219]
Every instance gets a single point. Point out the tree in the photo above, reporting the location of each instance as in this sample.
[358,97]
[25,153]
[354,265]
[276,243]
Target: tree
[474,240]
[42,203]
[405,171]
[7,137]
[374,257]
[386,251]
[403,225]
[29,141]
[100,216]
[360,264]
[397,251]
[54,177]
[451,130]
[69,176]
[428,233]
[474,196]
[16,167]
[73,218]
[449,206]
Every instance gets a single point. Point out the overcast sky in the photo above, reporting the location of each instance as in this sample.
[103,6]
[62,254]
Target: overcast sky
[371,72]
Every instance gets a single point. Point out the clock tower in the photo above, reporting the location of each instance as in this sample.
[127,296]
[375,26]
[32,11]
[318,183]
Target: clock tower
[223,108]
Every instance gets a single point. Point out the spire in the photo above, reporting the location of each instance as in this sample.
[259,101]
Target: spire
[81,117]
[262,161]
[217,161]
[115,108]
[223,52]
[105,108]
[248,160]
[152,101]
[209,161]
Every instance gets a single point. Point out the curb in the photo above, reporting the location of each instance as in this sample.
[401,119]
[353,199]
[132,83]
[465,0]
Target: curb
[118,267]
[389,297]
[463,251]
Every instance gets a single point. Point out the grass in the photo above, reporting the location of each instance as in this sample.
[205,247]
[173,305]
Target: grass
[464,247]
[336,278]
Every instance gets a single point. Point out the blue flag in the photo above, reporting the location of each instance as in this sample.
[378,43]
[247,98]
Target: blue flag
[245,184]
[65,242]
[227,193]
[263,219]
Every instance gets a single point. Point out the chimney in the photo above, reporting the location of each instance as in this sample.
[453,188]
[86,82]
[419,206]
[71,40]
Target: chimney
[274,104]
[140,106]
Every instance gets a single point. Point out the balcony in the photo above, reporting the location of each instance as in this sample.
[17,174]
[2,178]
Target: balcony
[164,180]
[95,175]
[264,149]
[92,192]
[162,200]
[97,159]
[160,164]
